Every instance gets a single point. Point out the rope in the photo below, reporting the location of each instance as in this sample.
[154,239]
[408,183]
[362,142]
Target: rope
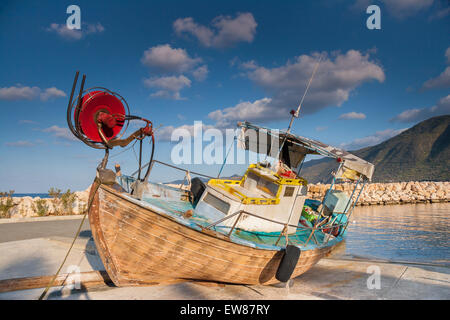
[71,246]
[115,155]
[174,167]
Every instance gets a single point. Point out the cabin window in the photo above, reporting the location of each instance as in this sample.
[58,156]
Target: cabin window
[263,184]
[217,203]
[289,191]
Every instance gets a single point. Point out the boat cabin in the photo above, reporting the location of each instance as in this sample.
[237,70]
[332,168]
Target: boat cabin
[268,196]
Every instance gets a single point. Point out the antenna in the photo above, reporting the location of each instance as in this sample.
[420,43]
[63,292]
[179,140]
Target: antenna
[294,114]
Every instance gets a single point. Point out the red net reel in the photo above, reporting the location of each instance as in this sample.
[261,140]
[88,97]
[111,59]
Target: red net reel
[100,119]
[100,107]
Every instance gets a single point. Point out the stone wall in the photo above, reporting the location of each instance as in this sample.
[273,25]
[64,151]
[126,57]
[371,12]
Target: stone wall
[373,194]
[390,193]
[29,207]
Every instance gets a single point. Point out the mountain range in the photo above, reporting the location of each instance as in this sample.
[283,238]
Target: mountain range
[420,153]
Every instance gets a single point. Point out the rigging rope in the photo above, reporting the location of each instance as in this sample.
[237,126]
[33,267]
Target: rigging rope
[115,155]
[44,293]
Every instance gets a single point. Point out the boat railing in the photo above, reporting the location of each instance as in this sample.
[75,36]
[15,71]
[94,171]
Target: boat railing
[174,167]
[241,212]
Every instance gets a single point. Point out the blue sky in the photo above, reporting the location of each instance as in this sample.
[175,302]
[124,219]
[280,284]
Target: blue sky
[219,62]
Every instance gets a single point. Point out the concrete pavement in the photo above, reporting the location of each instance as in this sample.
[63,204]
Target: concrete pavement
[31,228]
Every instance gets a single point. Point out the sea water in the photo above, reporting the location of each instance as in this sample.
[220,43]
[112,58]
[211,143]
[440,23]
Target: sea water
[406,233]
[33,195]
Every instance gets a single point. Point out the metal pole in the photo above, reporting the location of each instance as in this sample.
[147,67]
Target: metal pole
[140,159]
[354,204]
[234,224]
[150,170]
[69,109]
[323,201]
[353,192]
[285,229]
[351,196]
[281,234]
[301,166]
[223,219]
[79,103]
[346,206]
[226,156]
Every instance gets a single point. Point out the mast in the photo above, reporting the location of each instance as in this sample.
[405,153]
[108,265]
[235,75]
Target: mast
[294,114]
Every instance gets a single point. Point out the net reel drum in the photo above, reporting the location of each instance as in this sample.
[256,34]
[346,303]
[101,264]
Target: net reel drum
[99,117]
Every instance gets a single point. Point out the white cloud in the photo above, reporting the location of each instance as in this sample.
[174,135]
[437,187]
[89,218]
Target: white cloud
[441,13]
[74,34]
[94,28]
[200,73]
[52,92]
[332,83]
[164,58]
[335,79]
[225,31]
[372,140]
[19,93]
[165,94]
[419,114]
[64,32]
[250,111]
[29,93]
[165,133]
[321,128]
[202,33]
[249,65]
[352,115]
[441,81]
[171,83]
[406,8]
[59,132]
[174,61]
[20,143]
[169,86]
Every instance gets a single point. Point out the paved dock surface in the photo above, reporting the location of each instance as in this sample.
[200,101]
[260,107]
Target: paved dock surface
[338,277]
[64,226]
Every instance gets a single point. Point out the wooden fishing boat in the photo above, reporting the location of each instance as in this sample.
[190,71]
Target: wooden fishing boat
[139,245]
[259,229]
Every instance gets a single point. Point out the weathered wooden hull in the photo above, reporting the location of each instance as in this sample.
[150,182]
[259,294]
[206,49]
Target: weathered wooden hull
[141,247]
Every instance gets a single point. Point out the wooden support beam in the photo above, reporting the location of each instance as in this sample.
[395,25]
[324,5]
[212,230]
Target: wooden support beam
[88,279]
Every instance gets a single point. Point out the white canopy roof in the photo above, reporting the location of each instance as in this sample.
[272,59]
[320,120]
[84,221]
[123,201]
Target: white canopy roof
[267,141]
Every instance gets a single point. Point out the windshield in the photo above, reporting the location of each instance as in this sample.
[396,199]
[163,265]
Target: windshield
[255,181]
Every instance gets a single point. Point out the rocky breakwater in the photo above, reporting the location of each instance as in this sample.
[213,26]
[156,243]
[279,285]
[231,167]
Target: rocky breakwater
[69,203]
[390,193]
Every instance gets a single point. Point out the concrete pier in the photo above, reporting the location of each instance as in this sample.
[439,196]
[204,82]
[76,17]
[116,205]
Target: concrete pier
[337,277]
